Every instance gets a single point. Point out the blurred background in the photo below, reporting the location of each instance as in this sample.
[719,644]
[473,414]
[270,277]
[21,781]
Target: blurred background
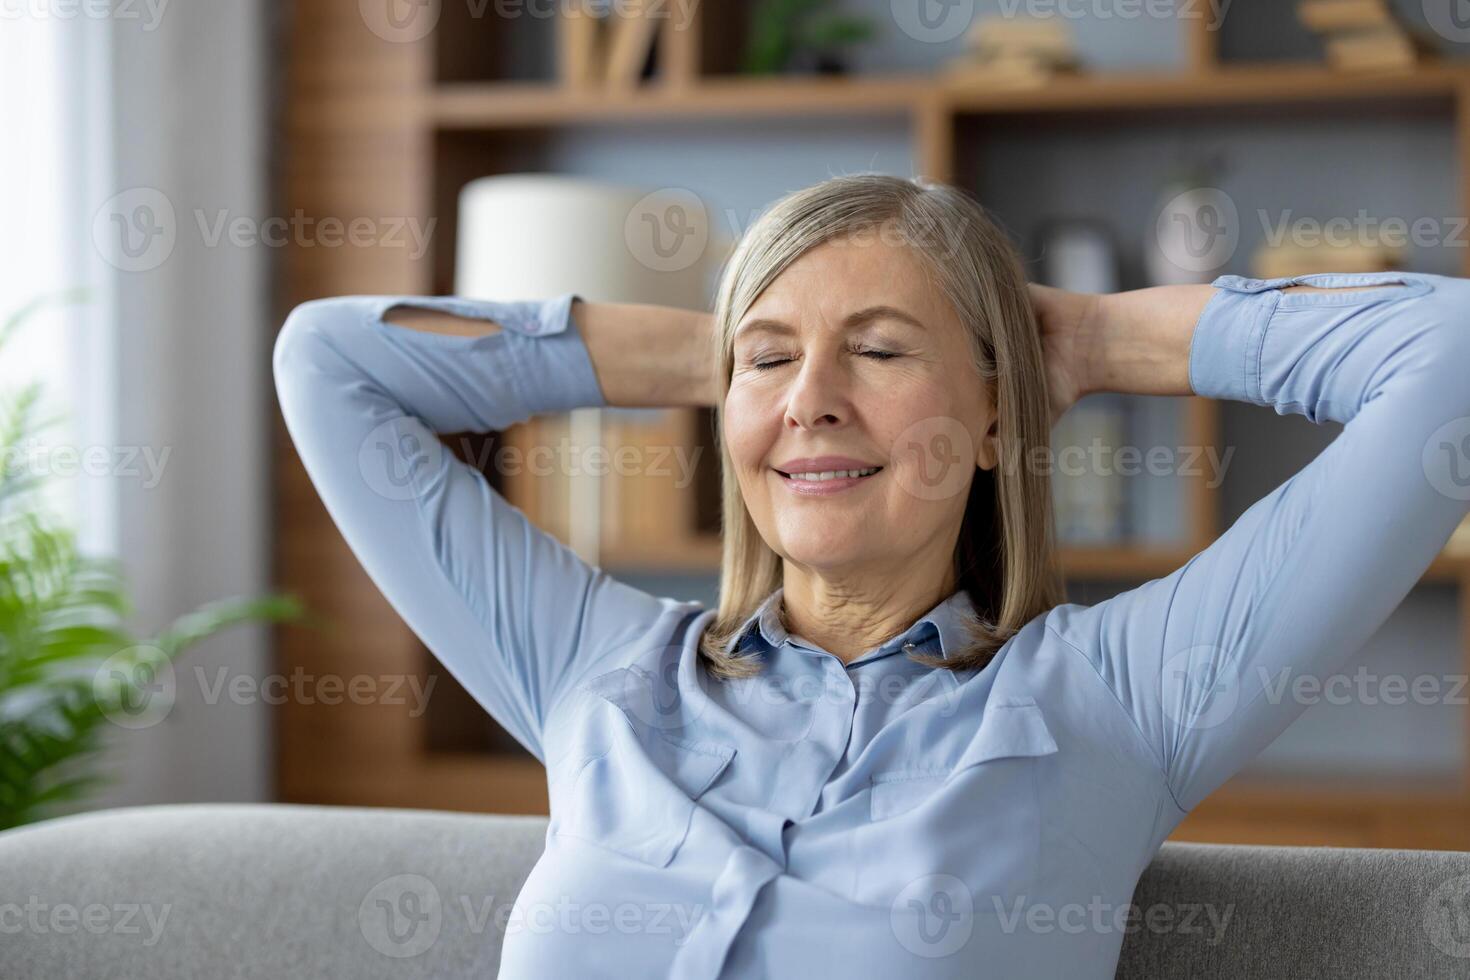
[180,176]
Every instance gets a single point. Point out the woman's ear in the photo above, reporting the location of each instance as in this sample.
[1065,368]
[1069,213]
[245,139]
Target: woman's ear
[987,451]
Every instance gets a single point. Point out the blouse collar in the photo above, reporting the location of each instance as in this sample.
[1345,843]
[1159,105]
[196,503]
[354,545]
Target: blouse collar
[947,622]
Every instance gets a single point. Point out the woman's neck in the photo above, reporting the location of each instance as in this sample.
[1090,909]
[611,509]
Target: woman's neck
[848,618]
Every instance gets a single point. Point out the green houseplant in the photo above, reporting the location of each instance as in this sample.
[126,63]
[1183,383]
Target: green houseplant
[68,666]
[784,33]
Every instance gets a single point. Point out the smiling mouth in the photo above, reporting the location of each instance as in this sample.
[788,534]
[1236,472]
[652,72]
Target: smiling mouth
[826,475]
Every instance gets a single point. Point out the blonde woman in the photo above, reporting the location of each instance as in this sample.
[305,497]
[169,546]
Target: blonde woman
[894,749]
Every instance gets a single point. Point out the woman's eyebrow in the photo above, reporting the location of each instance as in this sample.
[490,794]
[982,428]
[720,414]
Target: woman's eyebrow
[863,317]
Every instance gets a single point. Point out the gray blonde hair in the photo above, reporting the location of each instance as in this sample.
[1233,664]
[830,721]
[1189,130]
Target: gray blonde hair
[1005,555]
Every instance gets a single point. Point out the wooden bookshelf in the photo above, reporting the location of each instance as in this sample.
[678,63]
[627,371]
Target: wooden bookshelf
[379,128]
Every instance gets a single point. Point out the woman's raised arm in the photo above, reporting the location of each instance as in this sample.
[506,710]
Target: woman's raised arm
[1204,660]
[365,385]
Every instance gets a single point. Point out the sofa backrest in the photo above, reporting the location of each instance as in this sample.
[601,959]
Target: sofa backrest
[267,890]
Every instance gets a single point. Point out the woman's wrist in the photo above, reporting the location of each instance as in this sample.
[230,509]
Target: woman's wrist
[648,356]
[1138,341]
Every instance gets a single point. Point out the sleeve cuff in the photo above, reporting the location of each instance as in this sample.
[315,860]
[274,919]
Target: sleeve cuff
[551,347]
[1225,348]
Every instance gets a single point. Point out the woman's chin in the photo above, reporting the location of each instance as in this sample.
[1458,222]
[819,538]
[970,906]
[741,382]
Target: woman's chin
[829,552]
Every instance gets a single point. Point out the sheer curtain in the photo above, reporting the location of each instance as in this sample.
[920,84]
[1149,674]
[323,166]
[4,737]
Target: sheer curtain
[120,120]
[56,160]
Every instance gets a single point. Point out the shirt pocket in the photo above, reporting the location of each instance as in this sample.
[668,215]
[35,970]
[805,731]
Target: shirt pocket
[637,797]
[979,820]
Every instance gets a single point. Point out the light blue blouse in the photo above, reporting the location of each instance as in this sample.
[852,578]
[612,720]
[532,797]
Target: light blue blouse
[880,818]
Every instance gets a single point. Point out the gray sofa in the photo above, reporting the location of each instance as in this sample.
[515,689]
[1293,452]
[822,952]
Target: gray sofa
[278,891]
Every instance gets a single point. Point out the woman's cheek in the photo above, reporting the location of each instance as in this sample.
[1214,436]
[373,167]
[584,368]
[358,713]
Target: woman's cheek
[743,423]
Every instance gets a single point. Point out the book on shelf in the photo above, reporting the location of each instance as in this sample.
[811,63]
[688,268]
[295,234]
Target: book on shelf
[1277,261]
[581,47]
[635,25]
[1047,38]
[1377,47]
[1014,52]
[1016,70]
[1459,543]
[606,44]
[1325,16]
[1088,492]
[646,506]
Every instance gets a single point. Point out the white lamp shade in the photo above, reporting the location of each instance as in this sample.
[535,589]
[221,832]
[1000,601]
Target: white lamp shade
[535,236]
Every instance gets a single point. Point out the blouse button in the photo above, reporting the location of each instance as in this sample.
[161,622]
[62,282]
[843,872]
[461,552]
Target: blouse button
[910,646]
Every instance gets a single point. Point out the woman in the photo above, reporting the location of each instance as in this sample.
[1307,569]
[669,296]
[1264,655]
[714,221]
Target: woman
[894,749]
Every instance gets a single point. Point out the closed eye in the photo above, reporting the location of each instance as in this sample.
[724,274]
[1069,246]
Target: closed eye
[873,352]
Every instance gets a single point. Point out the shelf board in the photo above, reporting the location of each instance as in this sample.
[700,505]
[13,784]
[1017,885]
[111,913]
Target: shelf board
[501,105]
[1285,84]
[511,105]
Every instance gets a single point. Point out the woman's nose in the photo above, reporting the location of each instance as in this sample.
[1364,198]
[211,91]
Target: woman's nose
[818,396]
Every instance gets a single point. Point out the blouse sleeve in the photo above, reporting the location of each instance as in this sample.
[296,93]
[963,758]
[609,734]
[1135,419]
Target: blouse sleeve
[1204,660]
[515,615]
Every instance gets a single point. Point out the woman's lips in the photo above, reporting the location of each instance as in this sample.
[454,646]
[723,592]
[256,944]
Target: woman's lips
[818,488]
